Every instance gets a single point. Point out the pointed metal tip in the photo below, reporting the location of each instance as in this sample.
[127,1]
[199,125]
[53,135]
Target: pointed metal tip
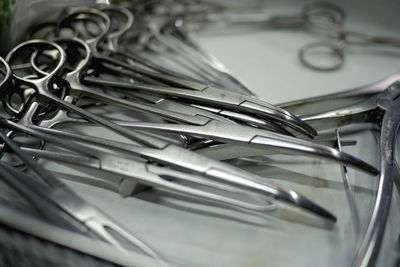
[326,214]
[310,206]
[316,209]
[307,148]
[269,111]
[299,124]
[369,168]
[308,127]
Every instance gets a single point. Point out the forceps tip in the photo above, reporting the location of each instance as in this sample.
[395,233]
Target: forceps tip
[306,204]
[308,128]
[318,210]
[365,166]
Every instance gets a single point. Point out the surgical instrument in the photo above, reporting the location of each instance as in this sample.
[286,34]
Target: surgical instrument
[320,16]
[233,100]
[381,107]
[131,168]
[199,92]
[311,13]
[218,130]
[210,128]
[336,48]
[163,152]
[128,167]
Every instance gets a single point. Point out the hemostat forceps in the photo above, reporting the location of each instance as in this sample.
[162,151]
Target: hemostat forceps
[236,134]
[382,107]
[123,165]
[130,168]
[178,113]
[213,97]
[256,138]
[207,126]
[161,151]
[197,92]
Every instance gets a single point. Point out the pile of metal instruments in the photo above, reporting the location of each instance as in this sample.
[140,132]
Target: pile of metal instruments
[165,114]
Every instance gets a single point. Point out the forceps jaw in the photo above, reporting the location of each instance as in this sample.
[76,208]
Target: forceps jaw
[259,139]
[284,196]
[323,151]
[219,98]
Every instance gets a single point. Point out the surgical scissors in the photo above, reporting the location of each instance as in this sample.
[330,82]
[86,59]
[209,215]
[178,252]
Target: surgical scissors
[169,109]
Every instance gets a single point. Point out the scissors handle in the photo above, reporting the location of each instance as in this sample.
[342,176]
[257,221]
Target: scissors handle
[32,46]
[333,50]
[17,66]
